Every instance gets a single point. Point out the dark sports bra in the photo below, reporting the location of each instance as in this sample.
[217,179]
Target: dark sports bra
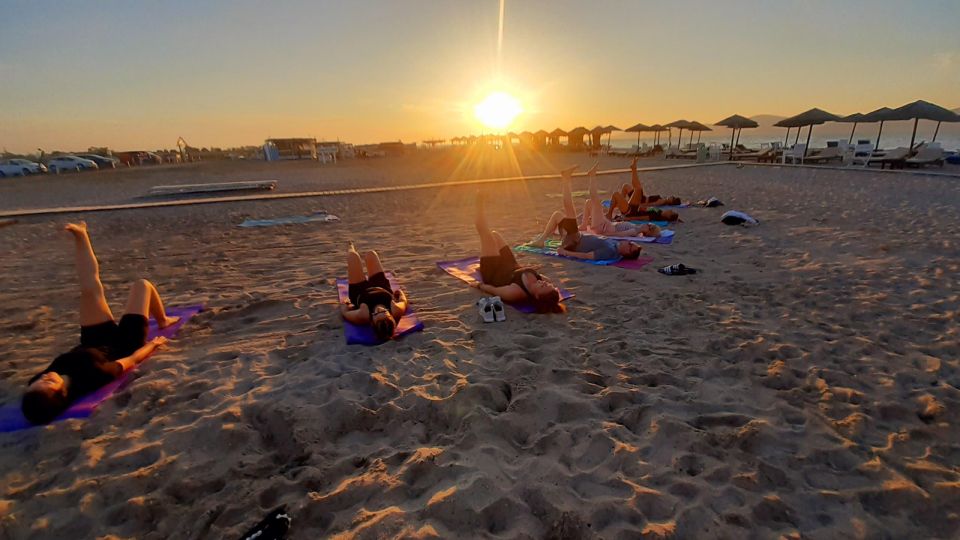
[518,277]
[375,296]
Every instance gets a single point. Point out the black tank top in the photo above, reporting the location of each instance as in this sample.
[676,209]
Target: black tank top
[518,277]
[375,296]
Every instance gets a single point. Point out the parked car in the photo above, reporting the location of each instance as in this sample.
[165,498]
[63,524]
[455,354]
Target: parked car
[20,167]
[138,157]
[104,162]
[26,166]
[70,163]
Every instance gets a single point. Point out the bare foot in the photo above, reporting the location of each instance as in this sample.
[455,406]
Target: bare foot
[536,242]
[593,170]
[568,172]
[168,321]
[78,230]
[633,165]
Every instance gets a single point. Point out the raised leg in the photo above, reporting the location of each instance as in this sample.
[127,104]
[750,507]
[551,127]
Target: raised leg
[354,266]
[498,240]
[488,244]
[145,300]
[93,303]
[549,229]
[568,207]
[618,202]
[374,266]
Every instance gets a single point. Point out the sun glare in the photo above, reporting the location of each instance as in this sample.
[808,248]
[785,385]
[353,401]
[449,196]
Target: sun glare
[497,110]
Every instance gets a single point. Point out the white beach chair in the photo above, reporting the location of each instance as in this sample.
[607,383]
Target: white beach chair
[794,153]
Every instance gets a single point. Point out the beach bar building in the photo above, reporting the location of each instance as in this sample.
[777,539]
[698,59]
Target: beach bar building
[278,149]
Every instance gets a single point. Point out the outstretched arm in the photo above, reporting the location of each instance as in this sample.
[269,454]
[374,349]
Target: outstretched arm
[142,353]
[575,254]
[93,304]
[508,293]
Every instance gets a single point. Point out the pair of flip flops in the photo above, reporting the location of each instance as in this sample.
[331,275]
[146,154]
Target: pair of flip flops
[491,309]
[679,269]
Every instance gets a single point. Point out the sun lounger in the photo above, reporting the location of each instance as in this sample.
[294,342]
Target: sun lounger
[11,417]
[926,156]
[761,155]
[182,189]
[895,158]
[826,155]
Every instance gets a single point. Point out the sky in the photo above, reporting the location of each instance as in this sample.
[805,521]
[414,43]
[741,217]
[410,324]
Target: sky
[137,75]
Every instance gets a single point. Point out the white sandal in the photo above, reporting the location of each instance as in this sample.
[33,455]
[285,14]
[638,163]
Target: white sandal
[499,314]
[486,309]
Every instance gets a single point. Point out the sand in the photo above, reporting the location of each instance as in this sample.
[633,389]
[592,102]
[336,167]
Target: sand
[804,384]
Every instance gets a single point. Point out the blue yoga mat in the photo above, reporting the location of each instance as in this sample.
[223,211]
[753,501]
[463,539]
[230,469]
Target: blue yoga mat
[363,334]
[11,418]
[550,250]
[468,271]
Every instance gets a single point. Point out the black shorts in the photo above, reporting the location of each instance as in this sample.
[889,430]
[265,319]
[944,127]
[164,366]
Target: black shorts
[569,232]
[497,270]
[121,339]
[377,280]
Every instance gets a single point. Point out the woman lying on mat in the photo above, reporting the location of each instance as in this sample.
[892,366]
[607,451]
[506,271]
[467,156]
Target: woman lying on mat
[632,203]
[371,299]
[106,349]
[503,276]
[574,243]
[594,220]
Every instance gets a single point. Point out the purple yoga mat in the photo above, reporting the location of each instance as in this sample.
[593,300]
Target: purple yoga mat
[11,419]
[363,335]
[468,271]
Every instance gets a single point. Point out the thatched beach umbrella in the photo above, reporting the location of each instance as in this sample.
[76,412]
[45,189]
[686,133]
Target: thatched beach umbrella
[657,129]
[596,134]
[699,128]
[736,122]
[676,124]
[880,115]
[854,119]
[610,129]
[813,117]
[923,110]
[638,129]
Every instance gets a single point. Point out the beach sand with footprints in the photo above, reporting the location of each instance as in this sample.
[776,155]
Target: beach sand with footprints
[805,383]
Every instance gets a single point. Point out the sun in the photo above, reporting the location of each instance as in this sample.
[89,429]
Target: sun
[498,110]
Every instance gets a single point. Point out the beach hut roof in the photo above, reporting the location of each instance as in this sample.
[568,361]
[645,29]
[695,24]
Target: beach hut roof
[923,110]
[813,117]
[526,134]
[737,122]
[598,129]
[611,128]
[578,131]
[557,133]
[682,124]
[542,133]
[697,126]
[638,128]
[658,127]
